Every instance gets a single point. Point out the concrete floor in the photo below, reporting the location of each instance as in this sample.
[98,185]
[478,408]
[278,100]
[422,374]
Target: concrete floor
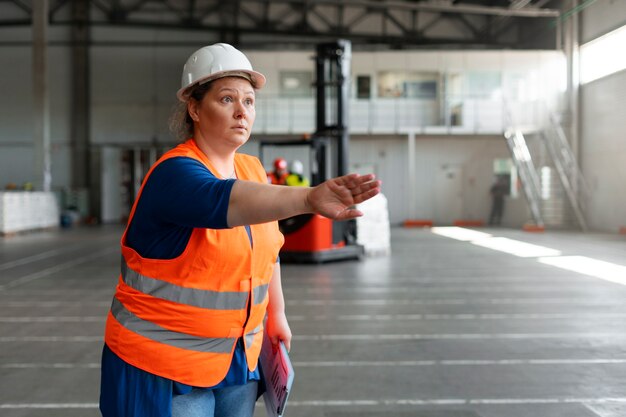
[441,328]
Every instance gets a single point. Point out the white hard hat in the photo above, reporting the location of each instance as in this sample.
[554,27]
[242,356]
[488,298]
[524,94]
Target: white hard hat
[296,167]
[216,61]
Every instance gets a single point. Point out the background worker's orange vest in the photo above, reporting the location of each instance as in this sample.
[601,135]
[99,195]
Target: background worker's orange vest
[180,318]
[277,180]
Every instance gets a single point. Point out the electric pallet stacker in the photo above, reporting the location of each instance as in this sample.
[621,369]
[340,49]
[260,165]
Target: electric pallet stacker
[311,238]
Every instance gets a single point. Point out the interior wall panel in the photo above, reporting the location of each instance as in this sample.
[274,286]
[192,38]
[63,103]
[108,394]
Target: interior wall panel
[602,17]
[603,150]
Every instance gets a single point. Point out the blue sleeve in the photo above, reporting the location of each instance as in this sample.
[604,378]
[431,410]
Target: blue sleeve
[181,194]
[184,192]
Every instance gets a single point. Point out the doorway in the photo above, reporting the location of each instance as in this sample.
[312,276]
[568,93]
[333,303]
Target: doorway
[448,194]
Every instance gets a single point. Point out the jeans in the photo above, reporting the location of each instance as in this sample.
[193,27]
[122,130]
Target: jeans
[233,401]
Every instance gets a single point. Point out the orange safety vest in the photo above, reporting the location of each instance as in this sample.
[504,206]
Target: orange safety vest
[276,180]
[180,318]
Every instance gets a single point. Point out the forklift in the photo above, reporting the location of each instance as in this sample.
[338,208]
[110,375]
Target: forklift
[311,238]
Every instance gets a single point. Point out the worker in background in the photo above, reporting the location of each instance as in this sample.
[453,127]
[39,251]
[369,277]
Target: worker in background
[296,175]
[200,280]
[279,175]
[498,191]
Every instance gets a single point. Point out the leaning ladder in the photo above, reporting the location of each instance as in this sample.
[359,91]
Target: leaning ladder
[527,173]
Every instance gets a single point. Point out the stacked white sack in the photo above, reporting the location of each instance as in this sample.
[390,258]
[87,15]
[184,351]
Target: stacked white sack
[373,227]
[27,210]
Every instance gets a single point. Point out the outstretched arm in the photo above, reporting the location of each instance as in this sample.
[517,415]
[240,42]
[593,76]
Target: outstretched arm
[253,203]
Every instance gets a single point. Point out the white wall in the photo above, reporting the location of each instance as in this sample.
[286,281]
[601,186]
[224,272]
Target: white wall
[602,17]
[132,92]
[603,126]
[469,158]
[603,150]
[16,114]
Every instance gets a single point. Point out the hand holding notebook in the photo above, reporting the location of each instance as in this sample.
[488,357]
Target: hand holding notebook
[278,375]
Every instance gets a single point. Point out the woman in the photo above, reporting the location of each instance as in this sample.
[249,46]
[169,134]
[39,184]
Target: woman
[200,281]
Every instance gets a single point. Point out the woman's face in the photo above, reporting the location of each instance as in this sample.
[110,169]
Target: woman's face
[225,115]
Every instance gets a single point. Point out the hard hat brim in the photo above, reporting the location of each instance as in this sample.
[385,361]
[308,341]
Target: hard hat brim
[256,79]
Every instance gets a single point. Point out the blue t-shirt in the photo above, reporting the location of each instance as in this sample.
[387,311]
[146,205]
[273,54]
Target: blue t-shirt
[181,194]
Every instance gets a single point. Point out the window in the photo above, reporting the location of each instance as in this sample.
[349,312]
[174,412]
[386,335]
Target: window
[546,179]
[484,84]
[408,84]
[363,86]
[453,88]
[603,56]
[296,84]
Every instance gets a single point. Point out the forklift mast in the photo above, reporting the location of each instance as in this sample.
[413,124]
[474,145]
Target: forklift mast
[309,237]
[332,93]
[333,88]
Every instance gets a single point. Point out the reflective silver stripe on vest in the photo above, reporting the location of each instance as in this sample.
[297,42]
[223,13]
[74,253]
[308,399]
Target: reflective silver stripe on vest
[214,300]
[159,334]
[250,336]
[260,293]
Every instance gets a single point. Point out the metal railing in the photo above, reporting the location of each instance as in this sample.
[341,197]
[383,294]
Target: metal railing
[548,127]
[452,114]
[568,169]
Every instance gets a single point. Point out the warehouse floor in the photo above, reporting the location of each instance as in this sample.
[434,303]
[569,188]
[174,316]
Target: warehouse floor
[440,328]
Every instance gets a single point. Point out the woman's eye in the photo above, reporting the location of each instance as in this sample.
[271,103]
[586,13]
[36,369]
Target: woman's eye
[249,102]
[227,99]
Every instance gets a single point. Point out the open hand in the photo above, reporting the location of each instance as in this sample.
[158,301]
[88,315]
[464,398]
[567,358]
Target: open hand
[336,197]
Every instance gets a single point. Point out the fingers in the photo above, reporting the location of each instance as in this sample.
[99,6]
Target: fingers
[286,339]
[362,187]
[337,197]
[274,339]
[370,191]
[348,214]
[354,181]
[278,330]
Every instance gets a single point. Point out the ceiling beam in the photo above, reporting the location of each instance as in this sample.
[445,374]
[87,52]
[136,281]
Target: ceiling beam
[396,21]
[431,7]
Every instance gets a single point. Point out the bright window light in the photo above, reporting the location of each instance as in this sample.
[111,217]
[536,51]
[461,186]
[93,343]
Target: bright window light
[589,266]
[593,267]
[516,247]
[603,56]
[459,233]
[546,179]
[502,244]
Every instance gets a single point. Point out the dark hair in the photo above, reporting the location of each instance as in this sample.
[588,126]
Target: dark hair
[181,123]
